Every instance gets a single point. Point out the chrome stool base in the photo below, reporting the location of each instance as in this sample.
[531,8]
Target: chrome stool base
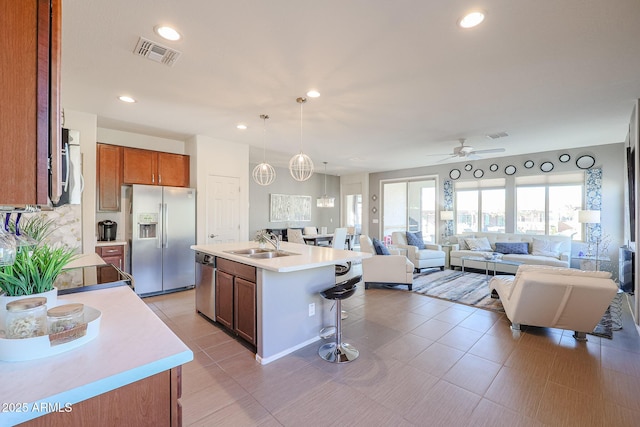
[338,354]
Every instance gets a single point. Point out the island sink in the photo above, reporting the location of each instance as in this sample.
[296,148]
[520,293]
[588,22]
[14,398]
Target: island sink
[260,253]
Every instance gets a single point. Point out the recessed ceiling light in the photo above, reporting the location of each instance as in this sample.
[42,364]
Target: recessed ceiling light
[471,19]
[313,94]
[241,126]
[167,33]
[125,98]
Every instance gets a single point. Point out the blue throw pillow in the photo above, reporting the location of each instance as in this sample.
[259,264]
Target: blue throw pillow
[415,239]
[520,248]
[380,248]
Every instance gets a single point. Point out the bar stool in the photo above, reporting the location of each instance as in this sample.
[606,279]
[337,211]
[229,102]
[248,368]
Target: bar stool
[338,351]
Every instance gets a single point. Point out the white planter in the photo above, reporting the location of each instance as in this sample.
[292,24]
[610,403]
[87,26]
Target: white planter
[52,301]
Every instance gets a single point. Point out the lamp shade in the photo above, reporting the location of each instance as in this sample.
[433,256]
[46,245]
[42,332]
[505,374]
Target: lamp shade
[589,217]
[446,215]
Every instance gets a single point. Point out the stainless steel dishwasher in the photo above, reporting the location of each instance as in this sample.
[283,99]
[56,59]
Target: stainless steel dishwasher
[206,285]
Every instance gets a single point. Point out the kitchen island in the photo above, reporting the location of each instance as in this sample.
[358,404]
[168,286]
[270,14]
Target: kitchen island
[289,310]
[128,375]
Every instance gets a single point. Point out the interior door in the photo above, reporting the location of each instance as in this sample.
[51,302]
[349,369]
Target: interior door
[223,209]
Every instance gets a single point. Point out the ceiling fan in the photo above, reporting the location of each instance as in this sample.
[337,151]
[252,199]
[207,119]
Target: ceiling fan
[468,152]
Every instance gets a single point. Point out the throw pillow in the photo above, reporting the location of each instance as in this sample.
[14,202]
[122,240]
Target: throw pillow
[520,248]
[546,248]
[463,243]
[479,244]
[415,239]
[380,248]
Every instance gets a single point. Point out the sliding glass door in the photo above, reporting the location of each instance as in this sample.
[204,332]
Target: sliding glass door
[409,206]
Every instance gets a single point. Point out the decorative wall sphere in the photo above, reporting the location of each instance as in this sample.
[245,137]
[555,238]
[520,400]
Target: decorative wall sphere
[264,174]
[301,167]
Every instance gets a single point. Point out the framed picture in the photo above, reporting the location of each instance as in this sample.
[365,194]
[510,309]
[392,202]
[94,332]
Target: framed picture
[286,207]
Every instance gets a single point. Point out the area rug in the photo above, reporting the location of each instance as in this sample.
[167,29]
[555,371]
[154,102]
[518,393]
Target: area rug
[463,288]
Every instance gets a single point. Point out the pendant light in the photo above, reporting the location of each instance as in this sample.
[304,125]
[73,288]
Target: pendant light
[325,201]
[300,165]
[264,173]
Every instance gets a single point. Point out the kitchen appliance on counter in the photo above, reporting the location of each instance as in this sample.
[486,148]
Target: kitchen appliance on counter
[107,230]
[163,228]
[205,285]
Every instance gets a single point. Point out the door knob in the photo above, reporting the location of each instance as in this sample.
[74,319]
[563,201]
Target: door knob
[213,235]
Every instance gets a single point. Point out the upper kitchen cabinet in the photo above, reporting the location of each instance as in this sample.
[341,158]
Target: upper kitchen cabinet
[30,118]
[155,168]
[109,176]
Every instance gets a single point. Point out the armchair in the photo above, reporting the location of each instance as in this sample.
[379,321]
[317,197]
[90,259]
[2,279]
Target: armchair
[395,269]
[555,297]
[431,256]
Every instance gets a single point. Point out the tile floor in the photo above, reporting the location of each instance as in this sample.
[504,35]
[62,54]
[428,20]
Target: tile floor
[423,362]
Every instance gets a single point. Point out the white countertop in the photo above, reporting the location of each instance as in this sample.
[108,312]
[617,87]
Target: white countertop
[111,243]
[85,260]
[307,256]
[133,344]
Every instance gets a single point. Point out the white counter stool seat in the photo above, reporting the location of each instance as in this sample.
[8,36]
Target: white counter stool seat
[338,351]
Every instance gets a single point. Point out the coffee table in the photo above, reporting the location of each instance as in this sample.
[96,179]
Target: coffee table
[494,261]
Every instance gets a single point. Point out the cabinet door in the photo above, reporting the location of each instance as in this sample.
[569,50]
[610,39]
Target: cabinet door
[139,166]
[224,299]
[109,176]
[245,309]
[173,170]
[29,28]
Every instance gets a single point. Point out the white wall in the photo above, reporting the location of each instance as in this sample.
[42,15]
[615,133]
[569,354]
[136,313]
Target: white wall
[136,140]
[214,157]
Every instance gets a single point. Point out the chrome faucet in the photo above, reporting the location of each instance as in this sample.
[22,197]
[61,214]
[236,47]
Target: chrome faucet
[274,240]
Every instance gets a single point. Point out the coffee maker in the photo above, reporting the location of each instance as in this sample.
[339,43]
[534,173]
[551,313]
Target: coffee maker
[107,230]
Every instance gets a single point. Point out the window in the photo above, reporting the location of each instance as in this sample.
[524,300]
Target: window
[409,206]
[480,209]
[549,205]
[353,210]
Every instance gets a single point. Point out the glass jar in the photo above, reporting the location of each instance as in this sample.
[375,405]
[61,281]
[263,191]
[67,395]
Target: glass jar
[65,317]
[27,318]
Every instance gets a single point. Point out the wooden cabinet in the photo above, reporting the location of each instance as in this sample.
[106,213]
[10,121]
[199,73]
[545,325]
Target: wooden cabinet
[30,119]
[155,168]
[111,255]
[153,401]
[109,177]
[236,298]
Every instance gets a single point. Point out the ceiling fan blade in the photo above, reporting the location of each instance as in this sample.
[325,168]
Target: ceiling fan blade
[453,156]
[473,156]
[491,150]
[440,154]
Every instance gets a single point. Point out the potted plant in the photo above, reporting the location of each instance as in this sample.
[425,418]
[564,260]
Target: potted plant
[37,264]
[262,237]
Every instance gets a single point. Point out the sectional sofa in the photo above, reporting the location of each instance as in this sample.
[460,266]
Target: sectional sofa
[523,248]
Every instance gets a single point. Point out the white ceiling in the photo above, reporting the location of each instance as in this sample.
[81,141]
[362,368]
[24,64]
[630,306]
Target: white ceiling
[399,80]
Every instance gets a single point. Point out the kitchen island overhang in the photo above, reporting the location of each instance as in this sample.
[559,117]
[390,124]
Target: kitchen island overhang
[286,288]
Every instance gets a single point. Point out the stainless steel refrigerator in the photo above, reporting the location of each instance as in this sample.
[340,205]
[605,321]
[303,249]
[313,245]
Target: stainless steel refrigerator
[163,222]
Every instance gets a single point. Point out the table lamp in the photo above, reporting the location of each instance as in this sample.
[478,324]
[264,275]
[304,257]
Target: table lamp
[447,216]
[589,217]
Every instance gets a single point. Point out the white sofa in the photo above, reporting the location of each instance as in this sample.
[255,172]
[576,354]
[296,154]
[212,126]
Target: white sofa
[555,297]
[431,256]
[396,269]
[561,259]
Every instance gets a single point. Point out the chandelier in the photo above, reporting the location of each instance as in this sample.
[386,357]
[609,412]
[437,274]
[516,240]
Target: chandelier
[325,201]
[264,173]
[300,165]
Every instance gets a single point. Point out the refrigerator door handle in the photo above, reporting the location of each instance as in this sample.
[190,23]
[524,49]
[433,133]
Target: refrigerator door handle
[165,226]
[160,237]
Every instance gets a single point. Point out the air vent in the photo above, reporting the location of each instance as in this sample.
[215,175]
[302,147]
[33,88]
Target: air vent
[497,135]
[156,52]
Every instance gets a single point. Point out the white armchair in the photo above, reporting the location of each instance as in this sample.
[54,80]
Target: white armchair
[393,268]
[431,256]
[555,297]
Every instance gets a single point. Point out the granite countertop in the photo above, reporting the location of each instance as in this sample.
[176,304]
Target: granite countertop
[128,327]
[304,256]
